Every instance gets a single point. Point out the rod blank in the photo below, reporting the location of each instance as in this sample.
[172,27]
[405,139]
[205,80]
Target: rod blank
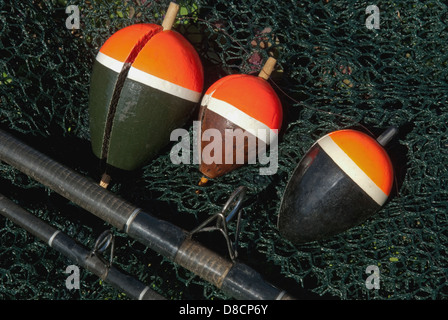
[236,280]
[64,181]
[75,252]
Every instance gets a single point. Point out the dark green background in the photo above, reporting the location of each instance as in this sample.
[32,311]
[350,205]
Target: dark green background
[335,73]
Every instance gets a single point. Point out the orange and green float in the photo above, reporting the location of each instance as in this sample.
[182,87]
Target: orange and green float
[146,81]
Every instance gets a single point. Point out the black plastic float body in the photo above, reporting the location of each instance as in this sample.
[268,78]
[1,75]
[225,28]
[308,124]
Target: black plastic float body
[343,179]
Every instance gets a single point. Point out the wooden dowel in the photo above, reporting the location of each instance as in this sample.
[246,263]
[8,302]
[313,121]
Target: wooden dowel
[267,69]
[105,180]
[170,16]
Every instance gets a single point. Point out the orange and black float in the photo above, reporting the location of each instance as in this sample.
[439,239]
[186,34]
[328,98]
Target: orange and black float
[146,81]
[238,106]
[343,179]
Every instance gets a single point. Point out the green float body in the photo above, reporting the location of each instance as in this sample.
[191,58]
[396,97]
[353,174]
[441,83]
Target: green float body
[143,119]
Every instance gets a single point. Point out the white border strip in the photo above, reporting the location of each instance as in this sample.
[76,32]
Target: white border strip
[352,170]
[109,62]
[241,119]
[149,80]
[163,85]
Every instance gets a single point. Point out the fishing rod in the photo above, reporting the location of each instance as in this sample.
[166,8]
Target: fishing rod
[91,260]
[234,278]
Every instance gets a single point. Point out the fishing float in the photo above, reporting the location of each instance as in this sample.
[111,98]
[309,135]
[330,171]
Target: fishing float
[342,180]
[238,105]
[146,81]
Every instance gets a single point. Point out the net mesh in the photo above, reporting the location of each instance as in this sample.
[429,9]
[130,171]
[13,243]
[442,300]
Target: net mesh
[332,73]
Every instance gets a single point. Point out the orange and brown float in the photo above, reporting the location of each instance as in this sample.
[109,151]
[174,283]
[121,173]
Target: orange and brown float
[239,106]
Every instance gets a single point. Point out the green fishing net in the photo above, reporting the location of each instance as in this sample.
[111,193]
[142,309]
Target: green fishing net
[334,71]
